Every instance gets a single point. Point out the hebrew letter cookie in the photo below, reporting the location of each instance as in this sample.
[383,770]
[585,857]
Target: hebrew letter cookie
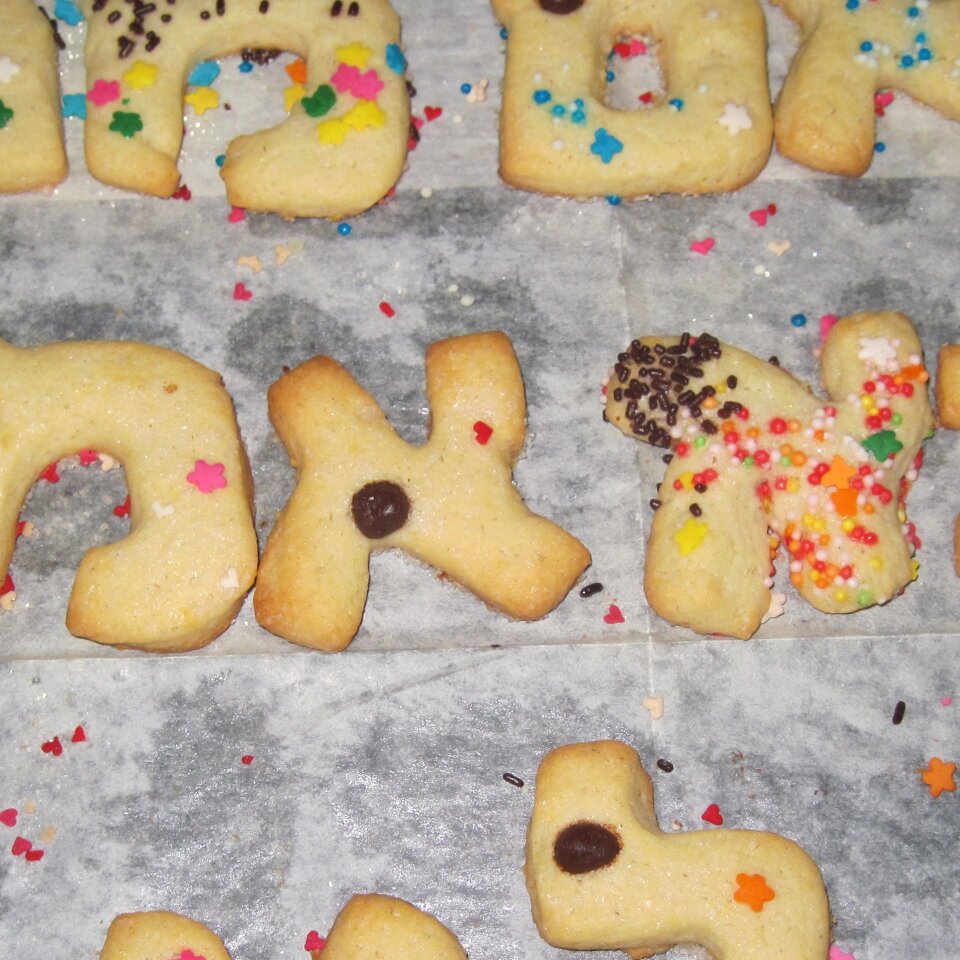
[160,935]
[603,876]
[948,410]
[849,49]
[178,579]
[338,153]
[31,134]
[760,462]
[712,131]
[450,502]
[372,926]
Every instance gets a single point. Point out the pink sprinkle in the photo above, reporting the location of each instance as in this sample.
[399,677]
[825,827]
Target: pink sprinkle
[827,322]
[20,846]
[703,246]
[237,214]
[103,92]
[189,955]
[8,817]
[386,309]
[416,121]
[87,457]
[946,701]
[207,477]
[314,942]
[247,759]
[50,474]
[240,292]
[613,615]
[881,101]
[837,954]
[759,217]
[364,86]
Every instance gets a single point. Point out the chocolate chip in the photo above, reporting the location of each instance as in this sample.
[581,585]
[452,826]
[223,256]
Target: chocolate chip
[379,509]
[562,7]
[591,589]
[585,846]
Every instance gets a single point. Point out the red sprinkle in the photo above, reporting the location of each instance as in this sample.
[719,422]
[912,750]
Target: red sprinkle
[314,942]
[7,585]
[20,846]
[79,735]
[240,292]
[431,113]
[53,746]
[50,474]
[123,510]
[712,815]
[8,817]
[237,214]
[386,309]
[183,193]
[483,432]
[87,457]
[34,855]
[613,615]
[247,759]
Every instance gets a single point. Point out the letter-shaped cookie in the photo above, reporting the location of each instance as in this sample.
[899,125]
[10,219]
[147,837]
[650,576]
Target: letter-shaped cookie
[178,579]
[713,131]
[31,133]
[948,412]
[603,876]
[450,502]
[338,153]
[372,926]
[161,935]
[849,49]
[756,451]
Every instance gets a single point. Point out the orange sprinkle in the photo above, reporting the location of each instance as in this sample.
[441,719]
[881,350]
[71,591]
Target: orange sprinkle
[798,458]
[752,890]
[914,372]
[938,776]
[297,71]
[793,426]
[845,501]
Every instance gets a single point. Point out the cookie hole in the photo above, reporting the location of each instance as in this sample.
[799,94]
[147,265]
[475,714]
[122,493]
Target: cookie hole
[633,79]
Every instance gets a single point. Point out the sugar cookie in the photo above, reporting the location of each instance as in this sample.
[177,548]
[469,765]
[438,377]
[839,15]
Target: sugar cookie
[32,155]
[948,411]
[450,502]
[161,935]
[372,926]
[760,462]
[178,579]
[712,131]
[603,876]
[339,152]
[850,49]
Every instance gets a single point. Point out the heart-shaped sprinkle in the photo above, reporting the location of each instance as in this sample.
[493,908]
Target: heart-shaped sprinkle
[183,193]
[613,615]
[160,510]
[946,701]
[712,815]
[237,214]
[431,113]
[8,817]
[50,474]
[33,855]
[703,246]
[20,846]
[759,217]
[189,955]
[79,735]
[655,706]
[779,247]
[240,292]
[53,746]
[881,101]
[123,509]
[7,585]
[483,432]
[314,941]
[646,97]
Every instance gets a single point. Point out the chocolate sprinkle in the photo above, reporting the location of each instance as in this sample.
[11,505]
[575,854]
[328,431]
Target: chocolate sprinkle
[513,779]
[695,509]
[379,509]
[665,765]
[898,712]
[585,846]
[591,589]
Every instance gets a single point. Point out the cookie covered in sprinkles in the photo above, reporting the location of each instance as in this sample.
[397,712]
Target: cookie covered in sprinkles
[759,463]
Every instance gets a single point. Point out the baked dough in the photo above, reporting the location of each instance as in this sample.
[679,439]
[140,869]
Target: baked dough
[161,935]
[450,502]
[760,462]
[712,132]
[339,152]
[32,155]
[850,49]
[948,412]
[178,578]
[602,875]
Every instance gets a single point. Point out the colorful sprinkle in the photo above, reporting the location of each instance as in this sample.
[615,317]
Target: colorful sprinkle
[482,432]
[141,75]
[396,61]
[240,292]
[126,124]
[703,247]
[344,229]
[202,99]
[204,74]
[68,12]
[103,92]
[735,118]
[712,815]
[237,214]
[386,309]
[75,105]
[605,146]
[613,615]
[798,320]
[6,114]
[8,69]
[8,817]
[54,747]
[247,759]
[123,509]
[939,776]
[320,102]
[752,890]
[314,942]
[207,477]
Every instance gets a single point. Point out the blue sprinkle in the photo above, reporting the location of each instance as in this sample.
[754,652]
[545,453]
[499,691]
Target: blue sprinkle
[853,4]
[503,33]
[558,110]
[605,146]
[221,159]
[578,103]
[613,200]
[542,96]
[344,229]
[68,12]
[246,67]
[611,76]
[879,147]
[920,38]
[75,105]
[798,320]
[465,88]
[866,46]
[676,103]
[203,74]
[913,12]
[578,116]
[906,61]
[396,61]
[925,54]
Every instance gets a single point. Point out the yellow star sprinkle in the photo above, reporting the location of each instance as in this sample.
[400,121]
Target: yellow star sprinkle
[203,99]
[141,75]
[938,776]
[293,95]
[691,535]
[354,55]
[333,131]
[364,114]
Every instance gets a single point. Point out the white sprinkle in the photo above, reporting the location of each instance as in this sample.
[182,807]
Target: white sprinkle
[467,300]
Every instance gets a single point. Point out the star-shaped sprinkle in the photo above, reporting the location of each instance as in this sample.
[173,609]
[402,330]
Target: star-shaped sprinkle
[939,776]
[204,74]
[752,890]
[8,69]
[845,501]
[293,95]
[203,99]
[691,535]
[297,71]
[333,132]
[207,477]
[876,350]
[839,473]
[882,444]
[354,55]
[141,75]
[126,124]
[349,79]
[320,102]
[735,118]
[68,12]
[103,92]
[605,146]
[363,115]
[75,105]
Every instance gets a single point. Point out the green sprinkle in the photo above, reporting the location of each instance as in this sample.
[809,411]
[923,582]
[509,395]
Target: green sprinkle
[700,442]
[6,114]
[864,598]
[321,102]
[126,124]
